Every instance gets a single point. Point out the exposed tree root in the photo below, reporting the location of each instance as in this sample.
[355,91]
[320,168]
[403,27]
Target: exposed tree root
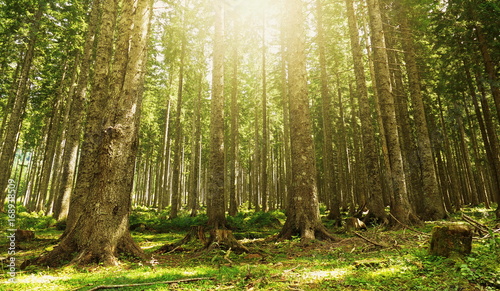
[317,231]
[225,238]
[195,232]
[67,248]
[221,238]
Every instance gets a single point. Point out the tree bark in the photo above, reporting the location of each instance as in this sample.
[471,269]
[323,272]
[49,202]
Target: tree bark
[176,189]
[233,153]
[303,212]
[215,194]
[432,208]
[326,99]
[97,228]
[264,151]
[375,196]
[194,193]
[400,206]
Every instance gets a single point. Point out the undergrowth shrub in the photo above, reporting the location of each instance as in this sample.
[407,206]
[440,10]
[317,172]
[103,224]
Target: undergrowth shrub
[27,220]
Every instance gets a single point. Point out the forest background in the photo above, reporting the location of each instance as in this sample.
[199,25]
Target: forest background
[401,99]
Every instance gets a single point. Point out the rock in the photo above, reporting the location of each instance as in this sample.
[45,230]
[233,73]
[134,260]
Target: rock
[451,240]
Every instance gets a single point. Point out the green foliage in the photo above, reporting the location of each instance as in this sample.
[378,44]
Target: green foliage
[348,264]
[159,221]
[256,220]
[27,220]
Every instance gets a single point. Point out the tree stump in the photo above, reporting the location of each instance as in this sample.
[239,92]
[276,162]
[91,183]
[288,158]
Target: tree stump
[451,240]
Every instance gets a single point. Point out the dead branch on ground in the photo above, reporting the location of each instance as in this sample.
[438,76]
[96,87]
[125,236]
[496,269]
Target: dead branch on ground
[370,241]
[148,283]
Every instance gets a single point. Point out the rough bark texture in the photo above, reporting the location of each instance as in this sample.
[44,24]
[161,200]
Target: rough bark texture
[375,198]
[196,155]
[326,99]
[176,173]
[97,227]
[73,132]
[400,206]
[303,212]
[233,153]
[286,120]
[215,192]
[431,198]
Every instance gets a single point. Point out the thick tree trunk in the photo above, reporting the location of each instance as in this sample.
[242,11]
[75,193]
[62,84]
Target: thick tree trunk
[431,198]
[97,228]
[375,199]
[303,212]
[400,205]
[215,195]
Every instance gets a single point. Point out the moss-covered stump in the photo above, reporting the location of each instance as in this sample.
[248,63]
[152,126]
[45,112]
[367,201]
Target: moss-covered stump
[451,240]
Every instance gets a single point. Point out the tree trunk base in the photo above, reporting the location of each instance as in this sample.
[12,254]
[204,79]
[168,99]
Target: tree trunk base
[318,232]
[224,238]
[220,238]
[65,252]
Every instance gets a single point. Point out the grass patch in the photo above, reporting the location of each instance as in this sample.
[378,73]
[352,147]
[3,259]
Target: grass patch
[348,264]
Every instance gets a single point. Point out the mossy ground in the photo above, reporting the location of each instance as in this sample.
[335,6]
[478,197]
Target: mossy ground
[351,263]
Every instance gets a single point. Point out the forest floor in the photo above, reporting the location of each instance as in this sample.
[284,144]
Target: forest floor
[400,261]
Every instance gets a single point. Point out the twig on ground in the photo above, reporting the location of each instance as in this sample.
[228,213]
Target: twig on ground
[370,241]
[173,250]
[148,283]
[408,227]
[480,227]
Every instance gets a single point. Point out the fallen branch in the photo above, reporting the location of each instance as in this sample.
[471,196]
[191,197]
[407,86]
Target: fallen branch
[370,241]
[480,227]
[148,283]
[408,227]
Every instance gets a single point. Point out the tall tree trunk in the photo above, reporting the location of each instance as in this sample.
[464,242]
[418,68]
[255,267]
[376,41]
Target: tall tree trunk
[97,227]
[432,203]
[375,196]
[264,152]
[326,99]
[303,212]
[400,205]
[285,101]
[14,123]
[163,198]
[494,147]
[73,131]
[215,194]
[233,154]
[176,176]
[491,71]
[194,193]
